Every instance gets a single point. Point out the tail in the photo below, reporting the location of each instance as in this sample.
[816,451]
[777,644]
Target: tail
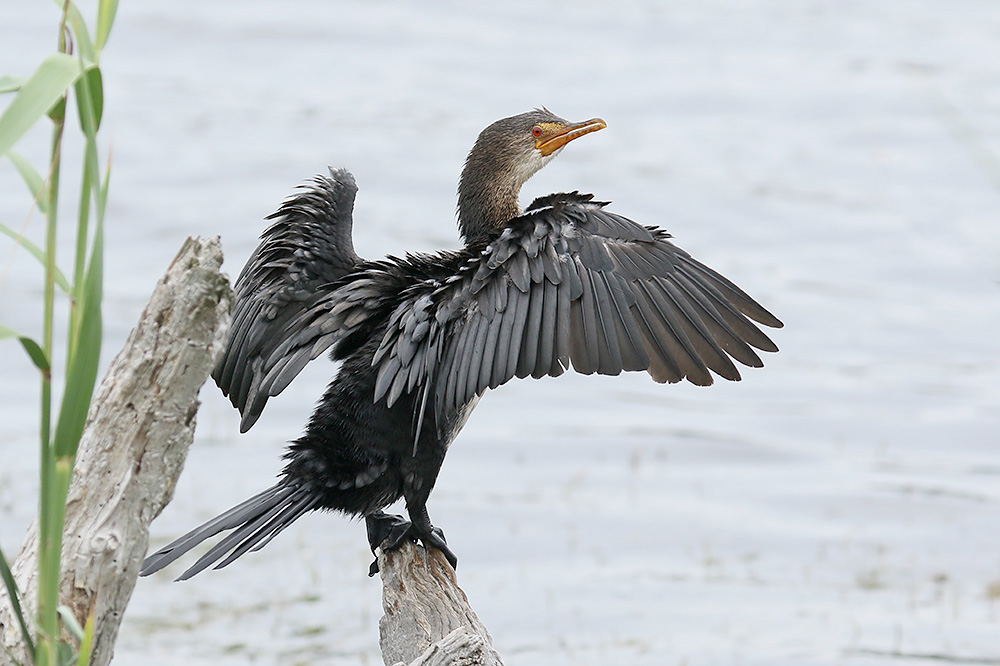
[256,521]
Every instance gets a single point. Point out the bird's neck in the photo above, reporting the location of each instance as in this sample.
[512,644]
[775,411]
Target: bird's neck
[487,201]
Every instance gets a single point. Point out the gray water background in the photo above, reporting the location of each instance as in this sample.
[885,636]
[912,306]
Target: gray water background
[836,159]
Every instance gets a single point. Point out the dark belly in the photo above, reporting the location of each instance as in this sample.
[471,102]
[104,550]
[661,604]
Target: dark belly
[361,455]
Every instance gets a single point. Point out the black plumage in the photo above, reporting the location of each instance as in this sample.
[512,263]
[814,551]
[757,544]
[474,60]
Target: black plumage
[565,283]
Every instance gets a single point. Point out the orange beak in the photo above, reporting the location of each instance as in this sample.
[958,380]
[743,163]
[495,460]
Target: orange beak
[560,135]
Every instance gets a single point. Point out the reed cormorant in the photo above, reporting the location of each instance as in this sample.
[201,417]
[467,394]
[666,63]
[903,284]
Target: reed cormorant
[564,283]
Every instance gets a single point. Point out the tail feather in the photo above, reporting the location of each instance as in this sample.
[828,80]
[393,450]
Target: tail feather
[271,529]
[256,521]
[248,531]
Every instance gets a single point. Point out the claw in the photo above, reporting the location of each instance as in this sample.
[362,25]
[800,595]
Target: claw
[436,539]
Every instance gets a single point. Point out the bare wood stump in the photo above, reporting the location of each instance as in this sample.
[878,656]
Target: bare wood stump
[428,620]
[140,426]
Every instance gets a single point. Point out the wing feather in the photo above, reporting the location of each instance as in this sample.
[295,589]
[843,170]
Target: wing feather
[734,294]
[705,346]
[585,330]
[519,316]
[283,289]
[490,351]
[569,283]
[501,360]
[610,355]
[633,351]
[672,334]
[722,332]
[736,319]
[547,331]
[533,326]
[663,365]
[477,349]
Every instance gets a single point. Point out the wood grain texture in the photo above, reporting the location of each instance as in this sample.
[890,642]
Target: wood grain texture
[428,620]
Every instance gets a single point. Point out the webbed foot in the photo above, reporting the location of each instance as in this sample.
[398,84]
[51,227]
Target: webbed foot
[389,532]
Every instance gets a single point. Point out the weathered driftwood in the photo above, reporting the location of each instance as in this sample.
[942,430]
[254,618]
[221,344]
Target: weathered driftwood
[428,620]
[139,428]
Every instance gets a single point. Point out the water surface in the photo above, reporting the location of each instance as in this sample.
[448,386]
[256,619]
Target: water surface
[837,160]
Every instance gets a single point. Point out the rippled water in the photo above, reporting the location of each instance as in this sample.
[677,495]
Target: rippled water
[838,160]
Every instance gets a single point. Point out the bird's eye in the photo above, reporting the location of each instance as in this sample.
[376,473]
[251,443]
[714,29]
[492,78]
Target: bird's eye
[536,131]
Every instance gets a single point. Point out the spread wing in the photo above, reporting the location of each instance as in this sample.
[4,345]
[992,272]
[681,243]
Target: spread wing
[285,292]
[568,283]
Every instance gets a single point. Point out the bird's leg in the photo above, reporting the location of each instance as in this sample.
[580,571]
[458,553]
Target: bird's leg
[389,532]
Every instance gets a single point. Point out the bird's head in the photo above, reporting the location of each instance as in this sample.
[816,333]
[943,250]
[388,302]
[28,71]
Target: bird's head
[504,157]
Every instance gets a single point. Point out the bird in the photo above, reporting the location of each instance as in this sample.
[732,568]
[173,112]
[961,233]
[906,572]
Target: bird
[564,283]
